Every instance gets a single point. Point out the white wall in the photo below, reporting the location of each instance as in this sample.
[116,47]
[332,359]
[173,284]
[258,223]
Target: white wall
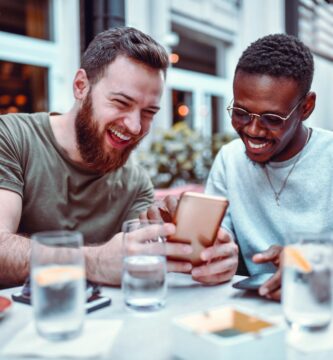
[256,19]
[323,86]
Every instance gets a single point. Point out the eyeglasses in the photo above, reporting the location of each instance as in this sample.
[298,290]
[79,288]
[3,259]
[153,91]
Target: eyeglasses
[269,121]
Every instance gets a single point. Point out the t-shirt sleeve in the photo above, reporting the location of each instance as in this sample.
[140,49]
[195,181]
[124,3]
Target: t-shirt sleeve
[144,196]
[11,170]
[217,185]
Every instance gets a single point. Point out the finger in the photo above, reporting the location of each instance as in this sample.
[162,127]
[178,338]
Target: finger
[151,232]
[153,213]
[219,251]
[223,236]
[269,255]
[178,249]
[271,285]
[215,267]
[179,266]
[214,279]
[276,295]
[171,203]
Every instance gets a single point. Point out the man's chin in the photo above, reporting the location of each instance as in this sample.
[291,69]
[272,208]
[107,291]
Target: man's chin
[256,159]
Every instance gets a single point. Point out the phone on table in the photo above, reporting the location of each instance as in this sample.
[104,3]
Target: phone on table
[253,282]
[94,299]
[198,218]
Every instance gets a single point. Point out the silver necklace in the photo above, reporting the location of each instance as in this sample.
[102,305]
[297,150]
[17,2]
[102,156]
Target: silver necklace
[277,194]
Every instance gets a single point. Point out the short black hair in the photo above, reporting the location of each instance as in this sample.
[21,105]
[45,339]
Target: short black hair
[279,55]
[126,41]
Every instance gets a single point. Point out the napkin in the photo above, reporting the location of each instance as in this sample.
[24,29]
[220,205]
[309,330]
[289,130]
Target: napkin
[95,341]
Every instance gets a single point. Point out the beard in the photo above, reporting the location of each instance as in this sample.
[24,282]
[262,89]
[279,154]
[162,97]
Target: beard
[91,142]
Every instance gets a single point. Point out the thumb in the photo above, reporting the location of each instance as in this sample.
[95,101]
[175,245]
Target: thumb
[272,254]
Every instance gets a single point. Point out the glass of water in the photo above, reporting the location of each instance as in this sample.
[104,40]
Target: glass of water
[144,265]
[58,283]
[307,281]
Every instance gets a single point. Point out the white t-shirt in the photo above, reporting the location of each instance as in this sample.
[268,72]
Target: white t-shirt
[306,202]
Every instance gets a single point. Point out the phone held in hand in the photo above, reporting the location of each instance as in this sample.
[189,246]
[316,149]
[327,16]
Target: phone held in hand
[94,299]
[198,218]
[253,282]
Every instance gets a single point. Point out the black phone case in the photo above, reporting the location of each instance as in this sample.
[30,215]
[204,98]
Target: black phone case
[253,282]
[94,301]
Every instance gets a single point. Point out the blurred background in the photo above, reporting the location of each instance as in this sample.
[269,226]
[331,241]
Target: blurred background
[41,42]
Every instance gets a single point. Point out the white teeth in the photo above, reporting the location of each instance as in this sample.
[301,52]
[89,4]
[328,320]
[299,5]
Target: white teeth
[120,135]
[257,146]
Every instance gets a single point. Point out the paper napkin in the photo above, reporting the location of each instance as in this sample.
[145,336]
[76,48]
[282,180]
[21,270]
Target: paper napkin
[95,341]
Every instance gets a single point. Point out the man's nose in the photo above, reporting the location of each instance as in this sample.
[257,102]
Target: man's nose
[133,122]
[254,126]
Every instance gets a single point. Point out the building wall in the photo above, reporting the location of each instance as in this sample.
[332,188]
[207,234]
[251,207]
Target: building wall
[254,19]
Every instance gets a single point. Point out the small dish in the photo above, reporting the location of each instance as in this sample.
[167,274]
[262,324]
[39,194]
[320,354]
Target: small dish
[5,305]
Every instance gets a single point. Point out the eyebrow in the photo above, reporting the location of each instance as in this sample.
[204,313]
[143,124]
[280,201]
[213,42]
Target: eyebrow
[129,98]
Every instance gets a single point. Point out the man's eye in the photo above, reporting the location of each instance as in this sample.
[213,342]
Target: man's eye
[240,112]
[271,119]
[149,114]
[120,103]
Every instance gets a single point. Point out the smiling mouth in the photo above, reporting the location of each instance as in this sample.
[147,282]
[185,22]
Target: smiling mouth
[117,135]
[257,146]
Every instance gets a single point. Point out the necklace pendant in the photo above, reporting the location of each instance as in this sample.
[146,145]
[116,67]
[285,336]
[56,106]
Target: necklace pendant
[277,199]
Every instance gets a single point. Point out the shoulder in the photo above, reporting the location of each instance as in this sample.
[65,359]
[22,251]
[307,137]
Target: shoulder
[322,138]
[322,134]
[21,121]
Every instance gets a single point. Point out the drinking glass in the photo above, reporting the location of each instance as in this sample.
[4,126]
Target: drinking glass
[58,283]
[144,265]
[307,281]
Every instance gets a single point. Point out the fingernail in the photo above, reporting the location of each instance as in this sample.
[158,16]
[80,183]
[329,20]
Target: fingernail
[263,291]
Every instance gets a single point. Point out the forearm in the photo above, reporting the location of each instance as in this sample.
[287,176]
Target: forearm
[14,258]
[101,268]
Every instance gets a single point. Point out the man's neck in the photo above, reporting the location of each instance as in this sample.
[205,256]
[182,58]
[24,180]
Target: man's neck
[63,127]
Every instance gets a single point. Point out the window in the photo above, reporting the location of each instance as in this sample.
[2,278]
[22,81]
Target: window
[312,22]
[23,88]
[182,107]
[26,17]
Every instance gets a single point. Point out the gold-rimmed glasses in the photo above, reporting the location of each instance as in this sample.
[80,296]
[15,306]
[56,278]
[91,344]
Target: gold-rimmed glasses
[267,120]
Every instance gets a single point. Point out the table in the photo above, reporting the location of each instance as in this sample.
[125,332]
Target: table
[148,336]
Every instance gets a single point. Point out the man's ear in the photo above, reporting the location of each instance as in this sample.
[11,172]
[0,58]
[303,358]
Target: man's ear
[81,85]
[308,105]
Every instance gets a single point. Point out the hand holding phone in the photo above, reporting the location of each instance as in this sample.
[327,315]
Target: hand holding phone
[197,219]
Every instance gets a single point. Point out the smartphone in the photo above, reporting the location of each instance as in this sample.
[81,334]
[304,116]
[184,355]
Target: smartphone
[94,300]
[253,282]
[198,218]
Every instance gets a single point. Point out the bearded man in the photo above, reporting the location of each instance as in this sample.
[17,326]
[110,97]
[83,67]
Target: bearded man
[70,171]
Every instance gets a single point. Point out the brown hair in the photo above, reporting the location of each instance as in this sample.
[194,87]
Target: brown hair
[126,41]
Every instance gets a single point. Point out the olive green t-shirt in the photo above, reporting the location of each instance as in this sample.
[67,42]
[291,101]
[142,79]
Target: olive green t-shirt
[59,194]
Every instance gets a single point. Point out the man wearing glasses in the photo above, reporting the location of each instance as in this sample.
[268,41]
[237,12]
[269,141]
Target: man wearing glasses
[277,176]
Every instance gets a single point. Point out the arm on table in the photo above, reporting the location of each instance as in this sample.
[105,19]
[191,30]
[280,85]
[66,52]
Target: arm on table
[14,249]
[104,262]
